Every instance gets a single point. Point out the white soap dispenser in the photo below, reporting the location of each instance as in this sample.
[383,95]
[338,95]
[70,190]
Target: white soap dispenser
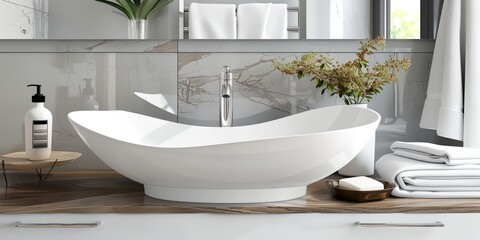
[38,128]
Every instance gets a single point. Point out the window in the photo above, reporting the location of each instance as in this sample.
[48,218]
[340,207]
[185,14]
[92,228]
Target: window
[404,19]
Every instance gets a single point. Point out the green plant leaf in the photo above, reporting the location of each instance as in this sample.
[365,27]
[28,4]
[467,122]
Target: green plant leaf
[137,2]
[363,64]
[300,74]
[323,91]
[129,6]
[145,7]
[345,100]
[117,7]
[330,88]
[158,7]
[141,6]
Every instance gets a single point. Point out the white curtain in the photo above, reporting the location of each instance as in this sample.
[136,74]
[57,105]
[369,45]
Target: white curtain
[452,107]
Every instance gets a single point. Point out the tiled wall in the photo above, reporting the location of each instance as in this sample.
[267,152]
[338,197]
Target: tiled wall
[190,71]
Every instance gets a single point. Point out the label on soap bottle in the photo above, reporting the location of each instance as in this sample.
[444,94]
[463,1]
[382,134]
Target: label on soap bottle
[40,134]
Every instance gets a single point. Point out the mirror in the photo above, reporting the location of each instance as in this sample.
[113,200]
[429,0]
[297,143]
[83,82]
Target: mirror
[307,19]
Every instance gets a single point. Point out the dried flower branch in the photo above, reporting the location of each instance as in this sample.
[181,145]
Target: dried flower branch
[354,81]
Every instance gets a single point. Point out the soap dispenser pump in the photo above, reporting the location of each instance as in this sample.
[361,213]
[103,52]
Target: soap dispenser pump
[38,128]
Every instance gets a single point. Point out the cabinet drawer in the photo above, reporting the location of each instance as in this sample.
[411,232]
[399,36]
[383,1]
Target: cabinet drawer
[244,227]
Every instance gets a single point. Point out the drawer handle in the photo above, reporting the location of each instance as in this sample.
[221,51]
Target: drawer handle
[422,225]
[56,225]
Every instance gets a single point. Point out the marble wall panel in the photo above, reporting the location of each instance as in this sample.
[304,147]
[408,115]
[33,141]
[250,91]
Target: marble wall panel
[89,46]
[298,46]
[114,77]
[23,19]
[262,94]
[146,73]
[39,5]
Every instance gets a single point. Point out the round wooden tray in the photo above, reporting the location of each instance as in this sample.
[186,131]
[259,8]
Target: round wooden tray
[18,161]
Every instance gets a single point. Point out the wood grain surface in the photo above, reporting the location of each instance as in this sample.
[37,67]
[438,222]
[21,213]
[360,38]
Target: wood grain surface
[109,192]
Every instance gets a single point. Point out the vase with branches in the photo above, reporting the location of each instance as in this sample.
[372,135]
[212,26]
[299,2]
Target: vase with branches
[138,12]
[354,81]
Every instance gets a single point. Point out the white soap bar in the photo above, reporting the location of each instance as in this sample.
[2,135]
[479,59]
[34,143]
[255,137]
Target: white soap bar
[360,184]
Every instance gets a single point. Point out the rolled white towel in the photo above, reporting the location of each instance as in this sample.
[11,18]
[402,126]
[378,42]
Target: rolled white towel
[434,153]
[416,179]
[262,21]
[212,21]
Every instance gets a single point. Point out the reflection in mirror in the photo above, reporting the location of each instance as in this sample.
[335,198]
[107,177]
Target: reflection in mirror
[339,19]
[404,19]
[23,19]
[241,19]
[306,19]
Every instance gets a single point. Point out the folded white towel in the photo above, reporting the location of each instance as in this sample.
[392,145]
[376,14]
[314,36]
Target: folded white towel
[429,152]
[416,179]
[262,21]
[212,21]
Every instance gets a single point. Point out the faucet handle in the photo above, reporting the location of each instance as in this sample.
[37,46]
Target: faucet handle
[227,74]
[226,69]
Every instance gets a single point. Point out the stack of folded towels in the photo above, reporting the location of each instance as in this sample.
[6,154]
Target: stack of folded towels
[425,170]
[252,21]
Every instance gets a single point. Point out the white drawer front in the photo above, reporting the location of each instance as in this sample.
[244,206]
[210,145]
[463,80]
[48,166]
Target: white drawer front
[240,227]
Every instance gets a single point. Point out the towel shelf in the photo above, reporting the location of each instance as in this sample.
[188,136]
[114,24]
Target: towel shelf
[290,29]
[290,9]
[300,10]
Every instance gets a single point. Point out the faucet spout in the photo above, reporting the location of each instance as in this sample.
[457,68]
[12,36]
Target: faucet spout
[226,99]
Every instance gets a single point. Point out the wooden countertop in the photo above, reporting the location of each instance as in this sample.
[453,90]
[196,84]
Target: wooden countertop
[109,192]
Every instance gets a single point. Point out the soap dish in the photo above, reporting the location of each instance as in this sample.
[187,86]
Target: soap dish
[360,196]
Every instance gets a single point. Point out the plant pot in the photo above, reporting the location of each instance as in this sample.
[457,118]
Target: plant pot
[137,29]
[364,163]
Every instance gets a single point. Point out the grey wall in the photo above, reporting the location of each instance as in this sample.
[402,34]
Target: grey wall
[190,71]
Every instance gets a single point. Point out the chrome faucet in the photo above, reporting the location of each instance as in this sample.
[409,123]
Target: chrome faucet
[226,97]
